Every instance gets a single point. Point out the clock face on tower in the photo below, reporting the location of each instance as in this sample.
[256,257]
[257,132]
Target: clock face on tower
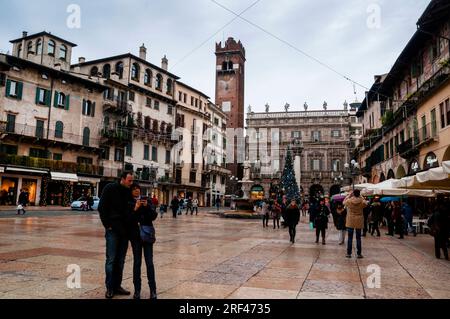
[225,84]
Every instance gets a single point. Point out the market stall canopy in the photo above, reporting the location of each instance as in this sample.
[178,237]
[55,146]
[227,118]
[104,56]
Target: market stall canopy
[437,179]
[390,188]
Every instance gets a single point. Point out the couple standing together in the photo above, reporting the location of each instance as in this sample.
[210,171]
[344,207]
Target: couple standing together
[127,216]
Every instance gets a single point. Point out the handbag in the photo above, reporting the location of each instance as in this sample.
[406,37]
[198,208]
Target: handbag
[147,234]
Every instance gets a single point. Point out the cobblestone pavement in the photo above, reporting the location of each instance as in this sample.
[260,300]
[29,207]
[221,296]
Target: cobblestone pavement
[209,257]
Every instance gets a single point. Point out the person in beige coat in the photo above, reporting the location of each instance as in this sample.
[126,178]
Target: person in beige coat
[355,204]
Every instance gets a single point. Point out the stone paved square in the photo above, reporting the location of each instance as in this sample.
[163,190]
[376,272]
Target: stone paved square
[198,257]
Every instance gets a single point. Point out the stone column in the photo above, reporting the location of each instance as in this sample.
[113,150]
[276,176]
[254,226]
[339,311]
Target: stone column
[297,170]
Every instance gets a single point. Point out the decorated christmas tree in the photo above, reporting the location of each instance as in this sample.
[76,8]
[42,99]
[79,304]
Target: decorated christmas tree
[288,180]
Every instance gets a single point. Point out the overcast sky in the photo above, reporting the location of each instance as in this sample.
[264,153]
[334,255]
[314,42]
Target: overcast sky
[335,32]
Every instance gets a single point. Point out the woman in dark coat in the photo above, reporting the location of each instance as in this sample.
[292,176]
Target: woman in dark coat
[174,204]
[321,220]
[142,213]
[340,217]
[376,215]
[397,219]
[292,219]
[439,227]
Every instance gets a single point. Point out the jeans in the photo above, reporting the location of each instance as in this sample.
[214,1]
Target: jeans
[341,234]
[350,241]
[174,212]
[276,221]
[139,246]
[116,251]
[196,210]
[292,232]
[266,220]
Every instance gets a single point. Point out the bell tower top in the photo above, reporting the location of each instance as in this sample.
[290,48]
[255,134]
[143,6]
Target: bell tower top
[230,47]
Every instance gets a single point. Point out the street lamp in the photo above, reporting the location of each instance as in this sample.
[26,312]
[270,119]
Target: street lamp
[352,171]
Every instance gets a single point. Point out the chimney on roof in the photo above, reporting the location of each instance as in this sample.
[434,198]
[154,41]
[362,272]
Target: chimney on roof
[164,63]
[24,34]
[143,52]
[81,60]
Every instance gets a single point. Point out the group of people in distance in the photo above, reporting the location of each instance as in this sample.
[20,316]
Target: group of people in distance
[356,216]
[348,219]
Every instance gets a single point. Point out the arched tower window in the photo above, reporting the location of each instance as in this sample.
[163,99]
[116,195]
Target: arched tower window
[107,71]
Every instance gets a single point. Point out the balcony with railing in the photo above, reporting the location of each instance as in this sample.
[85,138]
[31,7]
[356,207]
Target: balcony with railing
[54,166]
[218,169]
[427,134]
[117,136]
[406,149]
[118,106]
[42,136]
[155,135]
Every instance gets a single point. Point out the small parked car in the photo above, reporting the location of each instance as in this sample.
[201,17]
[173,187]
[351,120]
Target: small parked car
[81,204]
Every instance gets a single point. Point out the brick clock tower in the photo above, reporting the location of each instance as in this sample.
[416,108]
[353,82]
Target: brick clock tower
[230,78]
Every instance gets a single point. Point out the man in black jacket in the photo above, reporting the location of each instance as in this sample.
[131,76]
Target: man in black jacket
[113,210]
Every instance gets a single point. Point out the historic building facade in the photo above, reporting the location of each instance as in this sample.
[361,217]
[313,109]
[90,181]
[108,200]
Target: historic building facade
[406,113]
[319,142]
[49,137]
[68,130]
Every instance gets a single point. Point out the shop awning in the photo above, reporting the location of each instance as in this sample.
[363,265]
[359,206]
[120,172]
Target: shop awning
[446,166]
[66,177]
[87,179]
[25,170]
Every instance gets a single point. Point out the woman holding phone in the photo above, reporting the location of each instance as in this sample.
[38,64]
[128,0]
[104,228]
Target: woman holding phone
[143,213]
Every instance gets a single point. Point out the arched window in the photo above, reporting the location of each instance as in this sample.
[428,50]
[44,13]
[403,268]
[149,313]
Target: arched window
[159,81]
[224,65]
[39,46]
[169,86]
[155,126]
[59,128]
[94,71]
[169,128]
[19,50]
[148,77]
[51,47]
[147,123]
[135,72]
[390,174]
[86,136]
[63,52]
[30,47]
[414,167]
[430,161]
[336,165]
[230,65]
[106,71]
[119,69]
